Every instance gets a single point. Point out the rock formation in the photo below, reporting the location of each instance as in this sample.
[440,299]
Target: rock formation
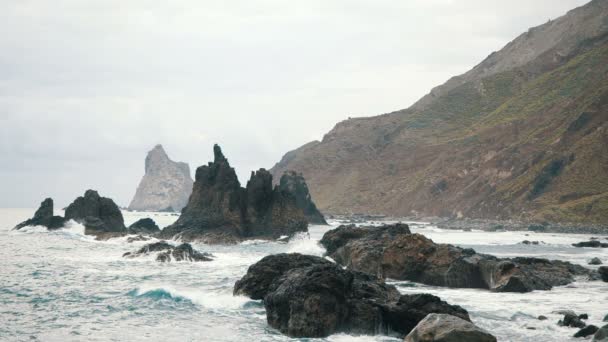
[221,211]
[44,217]
[294,183]
[307,296]
[447,328]
[166,185]
[167,252]
[99,215]
[591,243]
[393,252]
[603,271]
[145,226]
[521,135]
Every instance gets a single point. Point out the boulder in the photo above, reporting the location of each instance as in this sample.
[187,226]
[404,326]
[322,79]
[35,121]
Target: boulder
[447,328]
[167,252]
[44,217]
[603,271]
[571,320]
[294,183]
[605,318]
[601,334]
[393,252]
[592,244]
[145,226]
[307,296]
[586,331]
[98,214]
[221,211]
[595,261]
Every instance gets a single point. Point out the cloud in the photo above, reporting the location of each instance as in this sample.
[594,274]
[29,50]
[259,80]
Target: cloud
[87,88]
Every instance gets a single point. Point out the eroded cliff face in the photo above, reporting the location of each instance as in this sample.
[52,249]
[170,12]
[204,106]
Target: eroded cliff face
[522,135]
[166,185]
[221,211]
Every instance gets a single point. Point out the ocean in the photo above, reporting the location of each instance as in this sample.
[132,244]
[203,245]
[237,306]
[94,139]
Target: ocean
[65,286]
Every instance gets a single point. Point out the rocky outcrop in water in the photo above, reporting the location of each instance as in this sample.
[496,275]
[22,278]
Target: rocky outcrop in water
[603,271]
[393,252]
[601,334]
[145,226]
[221,211]
[99,215]
[293,182]
[167,252]
[44,217]
[166,185]
[591,243]
[447,328]
[307,296]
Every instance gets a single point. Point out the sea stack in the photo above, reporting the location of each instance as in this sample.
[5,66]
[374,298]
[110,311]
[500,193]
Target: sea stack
[44,217]
[99,215]
[221,211]
[166,185]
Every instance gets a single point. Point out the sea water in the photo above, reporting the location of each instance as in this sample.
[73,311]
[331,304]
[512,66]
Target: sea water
[65,286]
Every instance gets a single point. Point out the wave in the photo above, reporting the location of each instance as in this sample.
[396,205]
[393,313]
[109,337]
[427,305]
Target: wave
[302,243]
[206,299]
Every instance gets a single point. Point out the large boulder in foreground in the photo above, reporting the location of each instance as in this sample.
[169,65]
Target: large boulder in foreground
[221,211]
[99,215]
[307,296]
[166,252]
[145,226]
[44,217]
[447,328]
[393,252]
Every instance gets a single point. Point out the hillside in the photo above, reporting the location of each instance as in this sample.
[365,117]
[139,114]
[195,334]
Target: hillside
[522,135]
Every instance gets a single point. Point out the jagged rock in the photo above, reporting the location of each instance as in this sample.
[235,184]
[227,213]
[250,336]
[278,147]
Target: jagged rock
[595,261]
[571,319]
[308,296]
[293,182]
[168,252]
[44,217]
[587,331]
[447,328]
[165,186]
[592,244]
[99,215]
[603,271]
[221,211]
[393,252]
[601,334]
[144,226]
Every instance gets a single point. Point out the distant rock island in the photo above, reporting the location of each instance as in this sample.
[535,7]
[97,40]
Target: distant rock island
[166,185]
[221,211]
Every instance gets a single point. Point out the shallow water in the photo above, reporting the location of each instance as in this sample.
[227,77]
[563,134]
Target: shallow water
[64,286]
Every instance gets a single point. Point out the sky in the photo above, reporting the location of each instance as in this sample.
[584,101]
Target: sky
[88,87]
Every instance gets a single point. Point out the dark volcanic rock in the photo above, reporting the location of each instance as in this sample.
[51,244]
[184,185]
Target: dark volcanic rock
[167,252]
[44,217]
[601,334]
[595,261]
[137,238]
[603,271]
[587,331]
[221,211]
[144,226]
[294,183]
[308,296]
[592,243]
[571,320]
[97,214]
[447,328]
[393,252]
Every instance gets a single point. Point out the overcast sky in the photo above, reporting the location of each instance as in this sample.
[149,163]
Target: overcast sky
[88,87]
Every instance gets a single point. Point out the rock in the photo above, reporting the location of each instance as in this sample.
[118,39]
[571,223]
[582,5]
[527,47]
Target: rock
[144,226]
[393,252]
[595,261]
[583,316]
[527,242]
[294,183]
[542,318]
[44,217]
[603,271]
[447,328]
[571,320]
[168,252]
[592,243]
[165,186]
[97,214]
[221,211]
[601,334]
[307,296]
[605,318]
[137,238]
[587,331]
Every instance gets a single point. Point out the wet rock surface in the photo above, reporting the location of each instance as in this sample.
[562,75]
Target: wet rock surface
[98,214]
[221,211]
[167,252]
[603,272]
[591,244]
[145,226]
[447,328]
[308,296]
[393,252]
[44,217]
